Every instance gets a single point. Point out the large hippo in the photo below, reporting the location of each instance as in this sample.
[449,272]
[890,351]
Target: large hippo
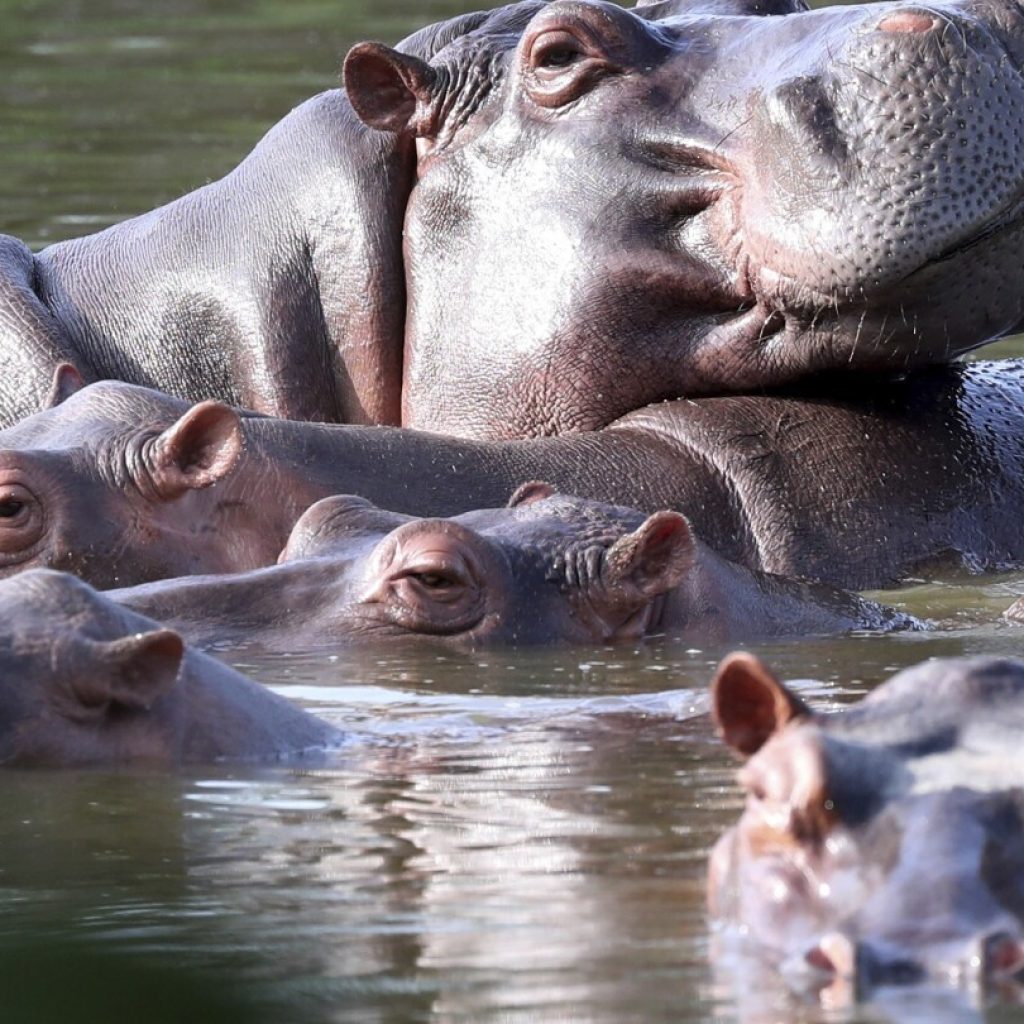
[547,568]
[602,208]
[883,843]
[86,681]
[855,490]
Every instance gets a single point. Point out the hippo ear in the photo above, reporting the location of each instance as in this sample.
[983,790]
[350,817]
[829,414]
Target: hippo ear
[531,491]
[391,91]
[132,672]
[197,451]
[66,381]
[652,559]
[749,704]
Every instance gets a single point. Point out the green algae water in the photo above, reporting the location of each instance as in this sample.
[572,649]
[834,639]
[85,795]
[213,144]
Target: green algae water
[509,836]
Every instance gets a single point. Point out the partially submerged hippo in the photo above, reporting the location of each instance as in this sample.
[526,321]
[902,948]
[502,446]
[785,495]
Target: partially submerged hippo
[84,681]
[858,490]
[547,568]
[883,843]
[603,208]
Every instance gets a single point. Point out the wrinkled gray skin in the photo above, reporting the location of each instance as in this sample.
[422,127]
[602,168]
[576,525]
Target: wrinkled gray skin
[883,843]
[858,491]
[546,569]
[279,287]
[84,681]
[610,208]
[615,207]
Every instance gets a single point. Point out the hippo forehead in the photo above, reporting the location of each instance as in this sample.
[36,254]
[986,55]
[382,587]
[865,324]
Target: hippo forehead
[938,727]
[554,523]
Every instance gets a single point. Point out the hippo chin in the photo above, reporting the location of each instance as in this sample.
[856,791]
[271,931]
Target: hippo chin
[881,844]
[615,207]
[548,568]
[84,681]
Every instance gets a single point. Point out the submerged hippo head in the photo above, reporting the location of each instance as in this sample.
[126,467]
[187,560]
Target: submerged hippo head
[547,568]
[86,681]
[883,843]
[116,483]
[616,207]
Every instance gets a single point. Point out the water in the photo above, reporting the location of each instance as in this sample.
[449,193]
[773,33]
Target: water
[509,837]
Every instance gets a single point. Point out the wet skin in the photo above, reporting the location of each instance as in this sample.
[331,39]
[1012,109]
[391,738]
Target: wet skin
[546,569]
[883,843]
[601,208]
[84,681]
[617,207]
[923,473]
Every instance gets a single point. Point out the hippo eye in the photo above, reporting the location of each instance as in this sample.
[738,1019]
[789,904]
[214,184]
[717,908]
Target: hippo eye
[553,51]
[433,580]
[21,521]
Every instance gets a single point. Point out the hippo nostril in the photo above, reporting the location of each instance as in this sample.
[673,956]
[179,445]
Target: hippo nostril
[908,22]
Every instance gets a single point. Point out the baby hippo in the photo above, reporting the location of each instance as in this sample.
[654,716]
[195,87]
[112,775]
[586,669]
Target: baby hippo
[546,568]
[84,681]
[883,843]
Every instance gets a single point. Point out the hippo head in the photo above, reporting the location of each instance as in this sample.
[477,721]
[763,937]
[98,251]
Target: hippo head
[547,568]
[80,675]
[115,483]
[881,844]
[616,207]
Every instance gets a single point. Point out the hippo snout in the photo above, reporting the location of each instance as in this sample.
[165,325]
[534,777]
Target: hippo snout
[888,151]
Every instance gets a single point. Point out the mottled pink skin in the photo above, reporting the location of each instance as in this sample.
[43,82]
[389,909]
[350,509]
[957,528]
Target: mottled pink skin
[880,844]
[84,681]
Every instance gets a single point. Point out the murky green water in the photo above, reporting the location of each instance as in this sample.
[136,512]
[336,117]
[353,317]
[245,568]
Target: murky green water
[510,837]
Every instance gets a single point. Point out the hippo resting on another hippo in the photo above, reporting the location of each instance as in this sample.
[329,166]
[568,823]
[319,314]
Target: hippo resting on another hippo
[603,208]
[85,681]
[857,491]
[883,843]
[545,569]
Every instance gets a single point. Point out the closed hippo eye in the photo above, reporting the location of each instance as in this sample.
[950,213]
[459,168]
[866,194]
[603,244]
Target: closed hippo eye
[439,584]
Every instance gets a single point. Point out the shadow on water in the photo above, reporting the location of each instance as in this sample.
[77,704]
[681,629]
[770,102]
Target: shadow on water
[509,836]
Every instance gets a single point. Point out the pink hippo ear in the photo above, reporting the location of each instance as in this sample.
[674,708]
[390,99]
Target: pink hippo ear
[652,559]
[66,381]
[391,91]
[197,451]
[132,672]
[749,704]
[531,491]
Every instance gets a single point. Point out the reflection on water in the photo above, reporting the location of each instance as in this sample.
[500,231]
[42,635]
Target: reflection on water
[510,837]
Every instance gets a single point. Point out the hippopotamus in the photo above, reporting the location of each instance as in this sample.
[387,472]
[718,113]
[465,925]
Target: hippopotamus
[85,681]
[856,490]
[601,208]
[883,843]
[546,568]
